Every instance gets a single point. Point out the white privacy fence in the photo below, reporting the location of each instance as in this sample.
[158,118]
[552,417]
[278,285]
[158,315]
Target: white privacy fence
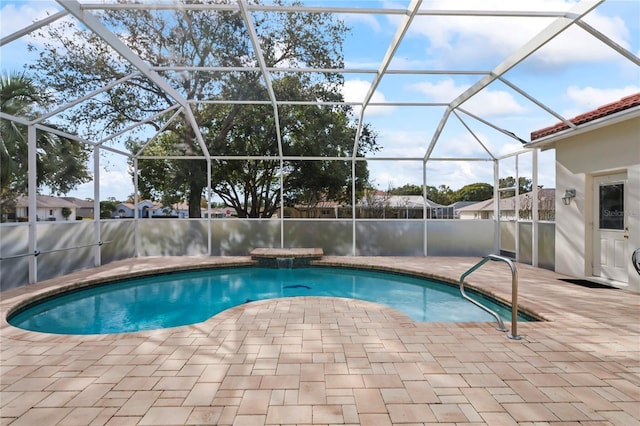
[64,247]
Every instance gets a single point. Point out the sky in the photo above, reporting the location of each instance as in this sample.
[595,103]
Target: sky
[571,74]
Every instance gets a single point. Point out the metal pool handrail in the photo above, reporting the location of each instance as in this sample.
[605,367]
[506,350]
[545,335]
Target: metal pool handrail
[514,294]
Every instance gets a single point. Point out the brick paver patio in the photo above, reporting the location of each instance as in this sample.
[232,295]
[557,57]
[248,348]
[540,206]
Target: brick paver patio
[327,361]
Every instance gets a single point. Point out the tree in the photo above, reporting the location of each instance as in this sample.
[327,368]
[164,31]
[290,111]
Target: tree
[252,187]
[375,204]
[474,192]
[407,189]
[66,212]
[108,207]
[324,132]
[442,195]
[524,184]
[61,163]
[75,62]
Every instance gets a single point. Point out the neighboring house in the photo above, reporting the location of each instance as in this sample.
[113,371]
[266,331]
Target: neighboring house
[178,210]
[598,197]
[484,209]
[151,209]
[84,207]
[452,211]
[322,210]
[383,205]
[380,205]
[221,212]
[127,210]
[47,208]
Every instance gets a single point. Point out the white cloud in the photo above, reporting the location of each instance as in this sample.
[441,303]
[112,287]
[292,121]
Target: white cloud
[455,41]
[493,102]
[443,91]
[465,145]
[457,174]
[16,16]
[113,183]
[403,143]
[485,103]
[359,18]
[454,174]
[509,148]
[587,98]
[393,174]
[356,90]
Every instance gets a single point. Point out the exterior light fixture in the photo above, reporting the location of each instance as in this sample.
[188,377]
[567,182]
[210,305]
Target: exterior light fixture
[568,195]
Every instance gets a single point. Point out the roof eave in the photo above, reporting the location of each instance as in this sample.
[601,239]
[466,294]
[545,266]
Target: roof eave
[548,142]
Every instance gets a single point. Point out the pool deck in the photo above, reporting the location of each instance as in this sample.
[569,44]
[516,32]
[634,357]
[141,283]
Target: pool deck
[326,361]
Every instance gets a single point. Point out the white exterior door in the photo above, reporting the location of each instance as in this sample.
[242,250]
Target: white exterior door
[610,231]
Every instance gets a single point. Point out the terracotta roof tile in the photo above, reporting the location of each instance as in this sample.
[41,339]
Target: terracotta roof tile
[603,111]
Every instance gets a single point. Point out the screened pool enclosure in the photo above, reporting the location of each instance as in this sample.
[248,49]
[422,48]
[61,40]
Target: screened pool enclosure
[375,94]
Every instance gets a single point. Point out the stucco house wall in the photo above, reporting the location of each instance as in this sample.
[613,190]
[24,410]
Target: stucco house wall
[127,210]
[599,160]
[580,159]
[47,208]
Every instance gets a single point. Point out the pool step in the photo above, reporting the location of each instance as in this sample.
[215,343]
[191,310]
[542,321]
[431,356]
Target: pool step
[285,257]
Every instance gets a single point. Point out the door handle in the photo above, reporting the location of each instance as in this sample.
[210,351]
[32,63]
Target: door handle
[626,237]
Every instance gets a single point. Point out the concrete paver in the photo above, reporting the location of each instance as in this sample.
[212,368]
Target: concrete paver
[318,360]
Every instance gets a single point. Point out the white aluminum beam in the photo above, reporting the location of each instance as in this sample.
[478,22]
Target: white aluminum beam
[32,197]
[457,159]
[162,129]
[318,70]
[71,104]
[311,158]
[535,214]
[515,154]
[436,134]
[257,48]
[139,123]
[474,135]
[174,157]
[29,29]
[325,9]
[246,14]
[537,102]
[542,38]
[76,138]
[318,103]
[606,40]
[97,235]
[21,120]
[94,24]
[388,56]
[493,126]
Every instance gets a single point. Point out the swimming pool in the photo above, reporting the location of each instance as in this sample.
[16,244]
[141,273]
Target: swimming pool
[183,298]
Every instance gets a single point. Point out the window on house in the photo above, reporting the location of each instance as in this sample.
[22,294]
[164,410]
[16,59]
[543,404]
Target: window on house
[612,206]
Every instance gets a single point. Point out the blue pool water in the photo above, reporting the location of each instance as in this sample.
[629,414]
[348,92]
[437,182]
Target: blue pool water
[183,298]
